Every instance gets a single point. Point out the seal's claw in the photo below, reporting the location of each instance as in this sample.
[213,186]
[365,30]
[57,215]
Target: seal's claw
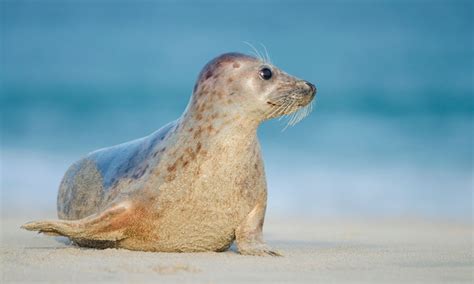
[274,253]
[259,250]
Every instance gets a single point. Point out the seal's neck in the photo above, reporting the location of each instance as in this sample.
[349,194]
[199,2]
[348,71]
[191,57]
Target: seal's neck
[217,120]
[213,127]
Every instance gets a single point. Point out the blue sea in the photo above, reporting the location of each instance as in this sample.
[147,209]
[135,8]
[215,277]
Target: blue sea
[391,133]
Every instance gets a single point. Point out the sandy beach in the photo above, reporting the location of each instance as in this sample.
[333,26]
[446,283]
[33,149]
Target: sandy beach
[315,251]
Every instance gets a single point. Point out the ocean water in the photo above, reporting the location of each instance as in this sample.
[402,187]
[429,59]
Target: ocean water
[391,130]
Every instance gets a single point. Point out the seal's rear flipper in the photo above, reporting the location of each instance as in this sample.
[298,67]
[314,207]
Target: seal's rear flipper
[109,225]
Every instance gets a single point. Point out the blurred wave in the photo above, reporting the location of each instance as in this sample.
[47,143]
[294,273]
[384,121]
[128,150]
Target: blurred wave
[391,133]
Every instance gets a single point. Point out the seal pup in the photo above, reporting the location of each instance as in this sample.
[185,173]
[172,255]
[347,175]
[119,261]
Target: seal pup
[196,184]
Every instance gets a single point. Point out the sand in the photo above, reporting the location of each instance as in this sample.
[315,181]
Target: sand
[315,251]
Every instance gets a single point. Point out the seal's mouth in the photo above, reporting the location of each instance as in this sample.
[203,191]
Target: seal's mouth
[294,103]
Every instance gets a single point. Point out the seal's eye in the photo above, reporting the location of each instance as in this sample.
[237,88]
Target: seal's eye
[265,73]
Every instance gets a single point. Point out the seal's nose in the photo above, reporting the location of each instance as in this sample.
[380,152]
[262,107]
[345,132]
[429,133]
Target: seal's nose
[311,86]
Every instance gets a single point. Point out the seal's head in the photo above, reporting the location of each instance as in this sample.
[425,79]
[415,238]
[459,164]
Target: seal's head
[238,83]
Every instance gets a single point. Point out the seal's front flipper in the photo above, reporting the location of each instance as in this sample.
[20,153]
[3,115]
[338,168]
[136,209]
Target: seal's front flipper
[249,234]
[109,226]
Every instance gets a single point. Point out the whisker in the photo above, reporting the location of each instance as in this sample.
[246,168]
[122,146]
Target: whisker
[257,54]
[280,110]
[287,109]
[289,104]
[277,103]
[273,111]
[288,123]
[295,116]
[267,56]
[299,115]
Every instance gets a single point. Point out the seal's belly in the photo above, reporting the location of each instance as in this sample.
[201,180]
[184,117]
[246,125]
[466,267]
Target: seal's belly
[200,225]
[187,231]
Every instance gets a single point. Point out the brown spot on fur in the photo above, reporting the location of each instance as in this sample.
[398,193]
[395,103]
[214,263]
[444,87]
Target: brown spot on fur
[230,80]
[198,147]
[185,164]
[229,101]
[210,128]
[172,167]
[198,132]
[199,116]
[190,129]
[257,169]
[214,115]
[191,153]
[236,65]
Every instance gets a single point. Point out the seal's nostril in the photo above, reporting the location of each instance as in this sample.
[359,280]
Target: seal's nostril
[313,87]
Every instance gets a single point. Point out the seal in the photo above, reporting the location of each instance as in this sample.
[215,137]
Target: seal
[196,184]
